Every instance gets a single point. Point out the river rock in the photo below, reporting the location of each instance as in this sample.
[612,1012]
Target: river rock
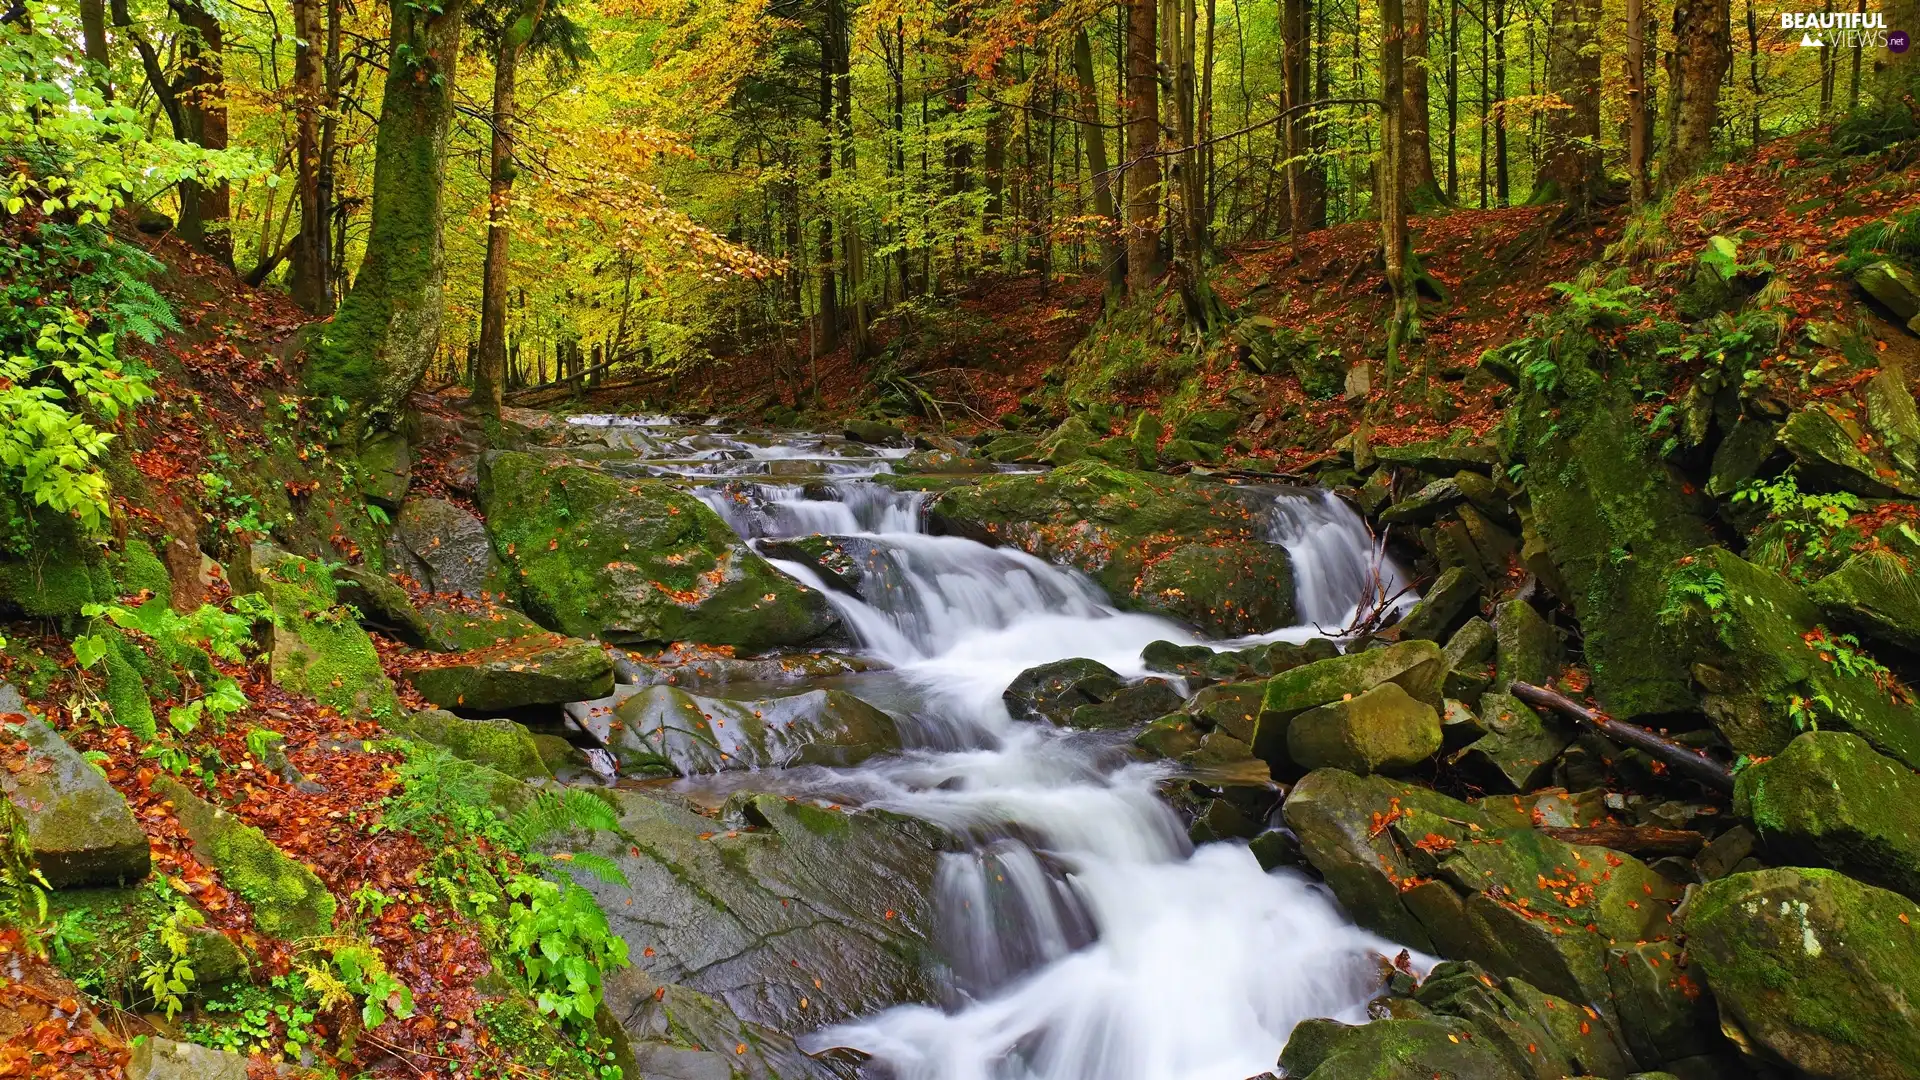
[1665,1010]
[664,729]
[1051,692]
[841,561]
[1518,749]
[1539,1035]
[1829,799]
[317,649]
[287,899]
[1467,655]
[1390,1050]
[873,432]
[1827,441]
[669,1027]
[1424,505]
[548,669]
[1456,451]
[1813,968]
[1754,658]
[1876,594]
[1115,524]
[1417,666]
[637,560]
[1525,647]
[1448,602]
[498,744]
[79,828]
[445,549]
[1891,284]
[1229,707]
[1128,707]
[1223,591]
[1381,730]
[1440,875]
[797,902]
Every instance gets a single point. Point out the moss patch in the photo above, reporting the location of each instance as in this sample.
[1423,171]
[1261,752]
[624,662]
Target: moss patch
[288,900]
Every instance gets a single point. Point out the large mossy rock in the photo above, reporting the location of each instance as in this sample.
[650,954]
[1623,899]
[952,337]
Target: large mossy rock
[637,561]
[499,744]
[318,649]
[1814,969]
[63,571]
[1876,594]
[446,549]
[287,899]
[1836,447]
[1517,751]
[547,669]
[1830,800]
[1052,691]
[1422,1049]
[155,1058]
[79,828]
[1118,525]
[1381,730]
[666,730]
[1416,666]
[1447,877]
[1541,1036]
[797,903]
[1756,650]
[1611,516]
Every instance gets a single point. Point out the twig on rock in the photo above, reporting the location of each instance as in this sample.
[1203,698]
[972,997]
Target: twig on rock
[1681,759]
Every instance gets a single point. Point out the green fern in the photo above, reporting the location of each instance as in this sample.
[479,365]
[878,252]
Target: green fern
[551,813]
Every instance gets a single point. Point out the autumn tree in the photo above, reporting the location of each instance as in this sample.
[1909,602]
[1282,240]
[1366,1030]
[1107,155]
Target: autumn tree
[1702,51]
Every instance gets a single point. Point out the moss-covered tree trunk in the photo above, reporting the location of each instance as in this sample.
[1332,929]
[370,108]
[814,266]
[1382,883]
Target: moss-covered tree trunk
[1702,50]
[1572,169]
[388,328]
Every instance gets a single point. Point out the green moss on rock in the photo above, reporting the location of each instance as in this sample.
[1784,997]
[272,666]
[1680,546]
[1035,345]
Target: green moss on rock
[318,649]
[79,828]
[1830,799]
[287,899]
[547,669]
[498,744]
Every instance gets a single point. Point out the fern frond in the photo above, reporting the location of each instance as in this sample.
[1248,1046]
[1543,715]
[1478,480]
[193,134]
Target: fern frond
[598,865]
[550,813]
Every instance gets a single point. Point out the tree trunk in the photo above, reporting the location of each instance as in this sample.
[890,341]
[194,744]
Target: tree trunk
[1306,182]
[204,210]
[1702,52]
[490,369]
[1572,168]
[826,337]
[1113,252]
[332,245]
[1639,125]
[1453,100]
[1143,142]
[93,32]
[388,328]
[1392,181]
[1419,147]
[1501,191]
[309,284]
[860,344]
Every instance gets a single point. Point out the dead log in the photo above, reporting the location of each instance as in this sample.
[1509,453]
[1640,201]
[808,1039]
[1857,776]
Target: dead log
[1684,760]
[1644,841]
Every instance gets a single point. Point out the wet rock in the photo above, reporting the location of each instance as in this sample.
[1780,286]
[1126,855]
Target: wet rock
[446,549]
[1892,416]
[498,744]
[667,1025]
[79,828]
[1826,440]
[1053,691]
[1758,656]
[1381,730]
[1452,453]
[1525,647]
[941,461]
[1225,590]
[1538,1035]
[1829,799]
[799,902]
[1892,285]
[1424,505]
[1115,524]
[1519,747]
[1190,451]
[317,648]
[873,432]
[1417,666]
[1189,661]
[1876,594]
[664,729]
[1813,968]
[1128,707]
[155,1058]
[1229,707]
[386,468]
[287,899]
[1466,655]
[1008,449]
[1740,455]
[1664,1008]
[118,917]
[1171,736]
[841,561]
[546,670]
[1390,1050]
[637,560]
[704,669]
[1214,426]
[1449,601]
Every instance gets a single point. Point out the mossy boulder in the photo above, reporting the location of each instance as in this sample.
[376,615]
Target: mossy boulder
[1813,968]
[63,572]
[288,900]
[1891,284]
[496,743]
[1833,446]
[1767,666]
[873,432]
[1223,590]
[1829,799]
[445,549]
[1416,666]
[941,462]
[1425,505]
[317,647]
[1114,524]
[126,924]
[1067,443]
[666,730]
[637,561]
[79,828]
[1381,730]
[386,468]
[1449,602]
[1876,594]
[547,669]
[1128,707]
[1231,707]
[1517,751]
[1053,690]
[1447,877]
[1525,647]
[1458,450]
[1411,1049]
[1540,1035]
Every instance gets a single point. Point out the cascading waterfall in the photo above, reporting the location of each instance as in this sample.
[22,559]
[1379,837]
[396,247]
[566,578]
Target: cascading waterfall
[1085,938]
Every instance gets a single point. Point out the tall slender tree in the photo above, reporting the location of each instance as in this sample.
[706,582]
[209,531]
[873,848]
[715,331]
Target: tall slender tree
[1143,146]
[1702,52]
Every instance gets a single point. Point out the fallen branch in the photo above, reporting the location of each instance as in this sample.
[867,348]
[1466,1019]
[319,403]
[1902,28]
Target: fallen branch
[1681,759]
[1641,840]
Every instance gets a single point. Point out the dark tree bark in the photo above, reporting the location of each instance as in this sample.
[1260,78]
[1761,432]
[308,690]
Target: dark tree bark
[1572,167]
[1143,143]
[388,328]
[1702,52]
[204,209]
[1419,176]
[1639,123]
[1306,182]
[490,369]
[310,284]
[1392,181]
